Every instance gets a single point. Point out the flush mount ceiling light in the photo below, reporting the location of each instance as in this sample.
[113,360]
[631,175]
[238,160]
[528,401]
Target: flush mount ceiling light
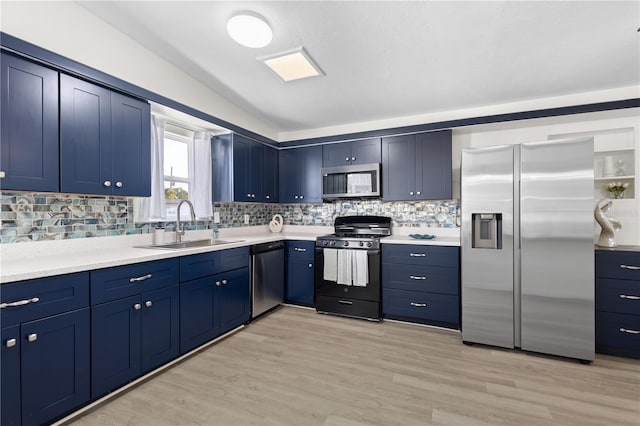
[292,65]
[249,29]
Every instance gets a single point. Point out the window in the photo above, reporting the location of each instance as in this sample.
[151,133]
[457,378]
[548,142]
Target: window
[178,170]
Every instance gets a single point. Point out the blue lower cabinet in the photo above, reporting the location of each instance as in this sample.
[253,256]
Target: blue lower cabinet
[160,327]
[618,334]
[211,306]
[115,344]
[55,366]
[300,267]
[431,308]
[10,378]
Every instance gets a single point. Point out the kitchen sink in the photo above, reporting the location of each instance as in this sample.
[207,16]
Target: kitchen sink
[189,244]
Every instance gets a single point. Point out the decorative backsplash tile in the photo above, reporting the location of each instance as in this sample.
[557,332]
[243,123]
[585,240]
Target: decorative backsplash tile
[26,217]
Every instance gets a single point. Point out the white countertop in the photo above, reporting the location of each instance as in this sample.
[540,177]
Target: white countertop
[23,261]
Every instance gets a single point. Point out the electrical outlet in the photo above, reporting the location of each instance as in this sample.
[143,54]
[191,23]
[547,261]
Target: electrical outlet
[216,217]
[246,219]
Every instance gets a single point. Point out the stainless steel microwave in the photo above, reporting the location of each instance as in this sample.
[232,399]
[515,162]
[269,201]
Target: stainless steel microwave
[356,181]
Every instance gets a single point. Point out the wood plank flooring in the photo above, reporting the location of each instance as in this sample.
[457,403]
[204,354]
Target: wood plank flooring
[297,367]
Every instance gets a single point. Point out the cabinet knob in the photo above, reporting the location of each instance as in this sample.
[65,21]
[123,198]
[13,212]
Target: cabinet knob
[346,159]
[418,193]
[267,197]
[311,265]
[137,306]
[411,193]
[295,197]
[32,337]
[2,174]
[107,183]
[224,282]
[301,197]
[217,283]
[353,158]
[10,343]
[148,303]
[118,184]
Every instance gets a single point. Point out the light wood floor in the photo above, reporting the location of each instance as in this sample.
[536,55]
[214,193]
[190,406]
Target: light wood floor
[297,367]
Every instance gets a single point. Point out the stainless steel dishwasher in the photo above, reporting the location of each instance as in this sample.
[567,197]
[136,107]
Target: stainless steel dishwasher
[267,277]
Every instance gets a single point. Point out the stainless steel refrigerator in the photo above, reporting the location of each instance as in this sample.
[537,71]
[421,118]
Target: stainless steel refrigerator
[527,247]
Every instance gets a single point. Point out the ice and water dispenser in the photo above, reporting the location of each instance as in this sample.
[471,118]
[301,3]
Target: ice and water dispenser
[486,230]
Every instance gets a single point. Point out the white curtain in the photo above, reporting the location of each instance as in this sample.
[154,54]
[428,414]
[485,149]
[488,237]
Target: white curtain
[201,190]
[154,208]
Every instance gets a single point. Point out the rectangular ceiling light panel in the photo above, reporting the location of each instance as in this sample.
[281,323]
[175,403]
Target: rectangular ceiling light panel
[292,65]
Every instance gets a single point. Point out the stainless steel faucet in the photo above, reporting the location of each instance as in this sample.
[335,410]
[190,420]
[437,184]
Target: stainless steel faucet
[179,230]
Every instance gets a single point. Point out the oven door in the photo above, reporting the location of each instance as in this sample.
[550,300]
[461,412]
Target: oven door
[371,292]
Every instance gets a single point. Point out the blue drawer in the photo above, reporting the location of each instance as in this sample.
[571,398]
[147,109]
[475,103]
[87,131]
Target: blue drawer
[433,279]
[214,262]
[421,255]
[618,264]
[420,305]
[621,296]
[618,334]
[46,296]
[300,249]
[123,281]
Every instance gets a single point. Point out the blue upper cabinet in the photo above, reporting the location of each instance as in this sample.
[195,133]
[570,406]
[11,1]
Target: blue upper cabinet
[417,167]
[300,180]
[104,141]
[363,151]
[248,169]
[29,135]
[270,182]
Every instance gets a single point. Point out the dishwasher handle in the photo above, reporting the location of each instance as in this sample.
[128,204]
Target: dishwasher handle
[267,247]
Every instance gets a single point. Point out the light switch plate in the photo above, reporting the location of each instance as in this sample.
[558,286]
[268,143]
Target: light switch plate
[246,219]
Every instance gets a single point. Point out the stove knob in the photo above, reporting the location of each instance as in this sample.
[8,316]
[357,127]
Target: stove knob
[369,244]
[361,244]
[324,243]
[332,242]
[346,243]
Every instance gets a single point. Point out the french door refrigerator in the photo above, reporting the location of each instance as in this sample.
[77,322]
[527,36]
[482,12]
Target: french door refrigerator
[527,247]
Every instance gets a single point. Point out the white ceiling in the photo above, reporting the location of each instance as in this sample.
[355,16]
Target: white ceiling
[392,59]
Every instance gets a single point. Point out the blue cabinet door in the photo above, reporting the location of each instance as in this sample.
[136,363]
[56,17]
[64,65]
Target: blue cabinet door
[29,126]
[198,316]
[233,301]
[10,376]
[131,140]
[160,327]
[55,366]
[85,137]
[241,168]
[300,288]
[270,183]
[310,174]
[336,154]
[433,168]
[365,151]
[399,168]
[289,179]
[115,344]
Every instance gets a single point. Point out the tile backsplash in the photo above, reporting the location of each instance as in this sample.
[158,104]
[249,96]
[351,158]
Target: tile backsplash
[26,217]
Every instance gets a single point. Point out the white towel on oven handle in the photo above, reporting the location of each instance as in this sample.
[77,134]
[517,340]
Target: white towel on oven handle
[330,268]
[344,267]
[360,268]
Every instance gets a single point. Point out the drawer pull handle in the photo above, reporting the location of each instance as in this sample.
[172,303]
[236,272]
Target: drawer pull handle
[32,337]
[633,268]
[419,305]
[417,277]
[299,249]
[626,330]
[10,343]
[625,296]
[345,302]
[19,302]
[142,278]
[417,255]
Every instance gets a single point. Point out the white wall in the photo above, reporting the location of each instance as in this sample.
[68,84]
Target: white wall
[70,30]
[628,210]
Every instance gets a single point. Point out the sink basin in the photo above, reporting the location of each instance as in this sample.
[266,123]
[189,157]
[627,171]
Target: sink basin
[189,244]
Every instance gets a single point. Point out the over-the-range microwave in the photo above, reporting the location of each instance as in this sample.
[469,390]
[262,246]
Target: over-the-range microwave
[355,181]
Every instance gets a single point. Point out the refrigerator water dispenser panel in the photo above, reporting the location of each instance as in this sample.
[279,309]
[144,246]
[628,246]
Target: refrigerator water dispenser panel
[486,230]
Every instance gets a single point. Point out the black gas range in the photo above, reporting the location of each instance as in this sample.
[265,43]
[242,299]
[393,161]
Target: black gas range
[348,267]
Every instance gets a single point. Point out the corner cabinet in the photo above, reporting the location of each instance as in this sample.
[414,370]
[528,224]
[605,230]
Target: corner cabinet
[363,151]
[300,180]
[417,166]
[105,145]
[618,302]
[29,134]
[45,348]
[421,283]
